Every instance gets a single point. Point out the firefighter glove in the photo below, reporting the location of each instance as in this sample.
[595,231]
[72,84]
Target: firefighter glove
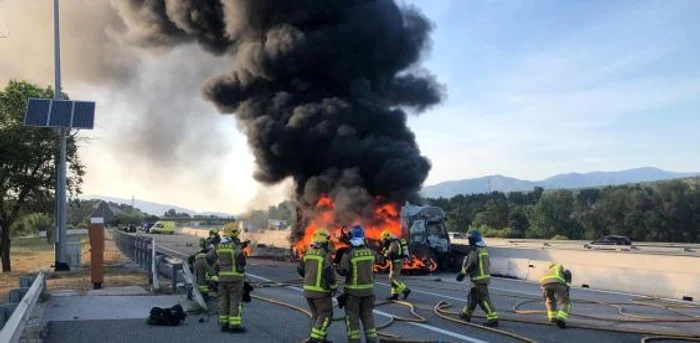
[247,288]
[342,299]
[460,277]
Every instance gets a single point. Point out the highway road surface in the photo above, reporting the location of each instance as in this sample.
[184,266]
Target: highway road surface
[267,322]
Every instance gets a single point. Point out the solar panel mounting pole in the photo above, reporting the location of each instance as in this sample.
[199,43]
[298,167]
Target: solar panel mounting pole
[60,263]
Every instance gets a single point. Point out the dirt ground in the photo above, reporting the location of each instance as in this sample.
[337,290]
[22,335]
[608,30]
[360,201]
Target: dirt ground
[34,254]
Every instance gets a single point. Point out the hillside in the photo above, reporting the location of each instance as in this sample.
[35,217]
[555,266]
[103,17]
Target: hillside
[152,207]
[570,180]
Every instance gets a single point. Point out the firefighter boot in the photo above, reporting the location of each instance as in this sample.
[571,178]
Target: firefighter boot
[223,327]
[392,297]
[492,323]
[406,293]
[465,317]
[561,324]
[236,329]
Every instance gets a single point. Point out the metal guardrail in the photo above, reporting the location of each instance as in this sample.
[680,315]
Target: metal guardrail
[12,330]
[140,249]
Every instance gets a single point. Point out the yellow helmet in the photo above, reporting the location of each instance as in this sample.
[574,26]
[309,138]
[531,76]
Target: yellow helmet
[386,234]
[231,230]
[321,236]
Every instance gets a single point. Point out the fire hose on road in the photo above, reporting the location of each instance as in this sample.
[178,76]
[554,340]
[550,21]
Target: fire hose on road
[441,311]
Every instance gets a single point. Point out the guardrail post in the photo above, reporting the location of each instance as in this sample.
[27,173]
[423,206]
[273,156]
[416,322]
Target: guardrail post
[176,268]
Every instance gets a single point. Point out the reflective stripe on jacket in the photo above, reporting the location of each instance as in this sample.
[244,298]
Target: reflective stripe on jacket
[317,270]
[477,265]
[556,273]
[357,266]
[231,262]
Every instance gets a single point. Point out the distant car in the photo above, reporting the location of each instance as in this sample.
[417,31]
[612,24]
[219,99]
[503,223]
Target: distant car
[610,240]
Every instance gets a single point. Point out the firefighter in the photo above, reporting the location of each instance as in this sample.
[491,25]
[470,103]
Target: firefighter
[214,237]
[395,250]
[319,284]
[556,283]
[203,269]
[477,265]
[357,265]
[230,265]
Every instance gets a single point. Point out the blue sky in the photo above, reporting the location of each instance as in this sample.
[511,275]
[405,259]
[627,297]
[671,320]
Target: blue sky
[535,88]
[544,87]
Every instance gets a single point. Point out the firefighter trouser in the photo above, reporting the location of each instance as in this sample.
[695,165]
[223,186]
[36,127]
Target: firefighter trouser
[230,303]
[479,294]
[202,280]
[394,273]
[356,309]
[556,296]
[321,317]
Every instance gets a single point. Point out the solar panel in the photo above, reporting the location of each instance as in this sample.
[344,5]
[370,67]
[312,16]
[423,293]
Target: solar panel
[61,111]
[37,112]
[83,115]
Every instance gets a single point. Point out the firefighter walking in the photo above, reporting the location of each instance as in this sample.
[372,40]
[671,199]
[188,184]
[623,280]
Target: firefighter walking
[231,271]
[319,284]
[477,265]
[357,265]
[556,283]
[395,251]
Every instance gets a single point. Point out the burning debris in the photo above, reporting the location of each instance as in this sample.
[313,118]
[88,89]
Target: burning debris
[320,88]
[385,217]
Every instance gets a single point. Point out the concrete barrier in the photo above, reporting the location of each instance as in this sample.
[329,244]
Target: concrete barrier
[271,238]
[654,275]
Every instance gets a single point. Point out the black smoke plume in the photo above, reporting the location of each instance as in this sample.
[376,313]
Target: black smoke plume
[320,88]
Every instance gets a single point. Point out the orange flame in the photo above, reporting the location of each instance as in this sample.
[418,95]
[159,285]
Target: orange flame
[385,217]
[248,250]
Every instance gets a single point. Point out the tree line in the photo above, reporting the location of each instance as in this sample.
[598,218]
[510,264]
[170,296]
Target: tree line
[664,211]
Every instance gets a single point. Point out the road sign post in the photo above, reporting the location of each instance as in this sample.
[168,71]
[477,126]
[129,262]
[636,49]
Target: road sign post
[62,115]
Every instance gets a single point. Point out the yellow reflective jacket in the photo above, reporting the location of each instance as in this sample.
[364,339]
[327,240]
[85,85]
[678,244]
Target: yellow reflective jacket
[478,266]
[556,273]
[357,265]
[317,270]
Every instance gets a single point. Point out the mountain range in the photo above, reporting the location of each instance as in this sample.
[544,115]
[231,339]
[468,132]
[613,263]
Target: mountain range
[502,183]
[152,207]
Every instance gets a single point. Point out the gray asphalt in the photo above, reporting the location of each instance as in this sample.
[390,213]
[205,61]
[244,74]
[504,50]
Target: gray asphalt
[272,323]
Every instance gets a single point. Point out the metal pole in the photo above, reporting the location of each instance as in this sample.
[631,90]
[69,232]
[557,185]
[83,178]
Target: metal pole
[61,199]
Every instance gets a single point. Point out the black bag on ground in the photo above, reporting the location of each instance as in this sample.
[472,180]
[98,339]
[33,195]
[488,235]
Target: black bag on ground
[167,316]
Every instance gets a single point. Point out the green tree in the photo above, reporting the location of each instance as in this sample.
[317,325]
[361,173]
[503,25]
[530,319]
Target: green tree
[27,160]
[31,224]
[553,216]
[171,213]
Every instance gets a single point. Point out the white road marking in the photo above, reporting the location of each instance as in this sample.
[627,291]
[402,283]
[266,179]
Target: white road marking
[382,313]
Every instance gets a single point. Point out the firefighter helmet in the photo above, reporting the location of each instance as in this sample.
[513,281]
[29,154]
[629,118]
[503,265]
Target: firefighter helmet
[231,230]
[321,236]
[387,235]
[473,236]
[357,235]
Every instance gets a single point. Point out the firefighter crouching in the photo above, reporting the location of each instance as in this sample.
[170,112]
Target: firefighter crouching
[357,265]
[394,251]
[556,283]
[231,271]
[203,270]
[477,265]
[319,284]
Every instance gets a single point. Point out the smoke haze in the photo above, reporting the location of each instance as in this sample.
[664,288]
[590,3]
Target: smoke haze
[319,87]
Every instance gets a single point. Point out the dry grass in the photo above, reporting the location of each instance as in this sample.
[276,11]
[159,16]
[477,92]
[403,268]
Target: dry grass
[34,254]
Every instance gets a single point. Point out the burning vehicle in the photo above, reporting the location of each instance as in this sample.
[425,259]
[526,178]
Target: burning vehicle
[423,227]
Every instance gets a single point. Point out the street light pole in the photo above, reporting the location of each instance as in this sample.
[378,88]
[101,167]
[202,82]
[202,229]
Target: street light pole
[60,263]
